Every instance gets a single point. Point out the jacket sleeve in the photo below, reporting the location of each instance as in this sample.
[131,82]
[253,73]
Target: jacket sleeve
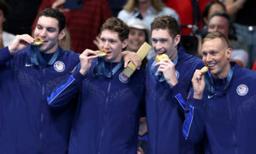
[63,93]
[193,125]
[179,87]
[5,55]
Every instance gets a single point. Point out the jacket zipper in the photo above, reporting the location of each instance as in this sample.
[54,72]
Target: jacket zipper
[231,117]
[42,116]
[102,132]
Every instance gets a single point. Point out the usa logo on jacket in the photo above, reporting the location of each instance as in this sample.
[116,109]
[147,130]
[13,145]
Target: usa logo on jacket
[242,90]
[59,66]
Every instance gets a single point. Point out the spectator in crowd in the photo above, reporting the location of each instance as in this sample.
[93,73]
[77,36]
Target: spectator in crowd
[221,22]
[108,115]
[221,108]
[5,37]
[83,20]
[242,12]
[211,8]
[190,13]
[28,73]
[138,34]
[146,10]
[163,80]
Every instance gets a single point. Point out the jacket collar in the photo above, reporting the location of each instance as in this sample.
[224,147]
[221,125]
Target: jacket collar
[36,58]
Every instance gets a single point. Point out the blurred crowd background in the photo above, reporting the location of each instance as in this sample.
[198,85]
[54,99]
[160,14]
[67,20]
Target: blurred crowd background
[235,18]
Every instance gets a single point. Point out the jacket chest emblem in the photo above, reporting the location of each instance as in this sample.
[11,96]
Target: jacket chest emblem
[59,66]
[242,90]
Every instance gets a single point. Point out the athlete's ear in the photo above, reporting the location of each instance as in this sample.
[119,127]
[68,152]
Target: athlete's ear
[62,34]
[177,40]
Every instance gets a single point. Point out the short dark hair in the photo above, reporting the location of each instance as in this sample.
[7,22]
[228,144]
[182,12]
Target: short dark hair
[116,25]
[54,13]
[209,5]
[214,35]
[4,7]
[166,22]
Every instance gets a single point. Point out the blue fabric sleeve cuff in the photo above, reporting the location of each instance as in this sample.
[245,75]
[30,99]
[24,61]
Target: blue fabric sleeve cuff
[195,102]
[176,89]
[78,76]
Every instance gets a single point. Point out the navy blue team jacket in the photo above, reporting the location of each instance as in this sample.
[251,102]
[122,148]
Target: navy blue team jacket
[106,121]
[27,124]
[163,112]
[227,119]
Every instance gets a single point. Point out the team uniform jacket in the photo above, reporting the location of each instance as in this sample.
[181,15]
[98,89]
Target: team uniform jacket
[227,119]
[163,113]
[27,124]
[106,121]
